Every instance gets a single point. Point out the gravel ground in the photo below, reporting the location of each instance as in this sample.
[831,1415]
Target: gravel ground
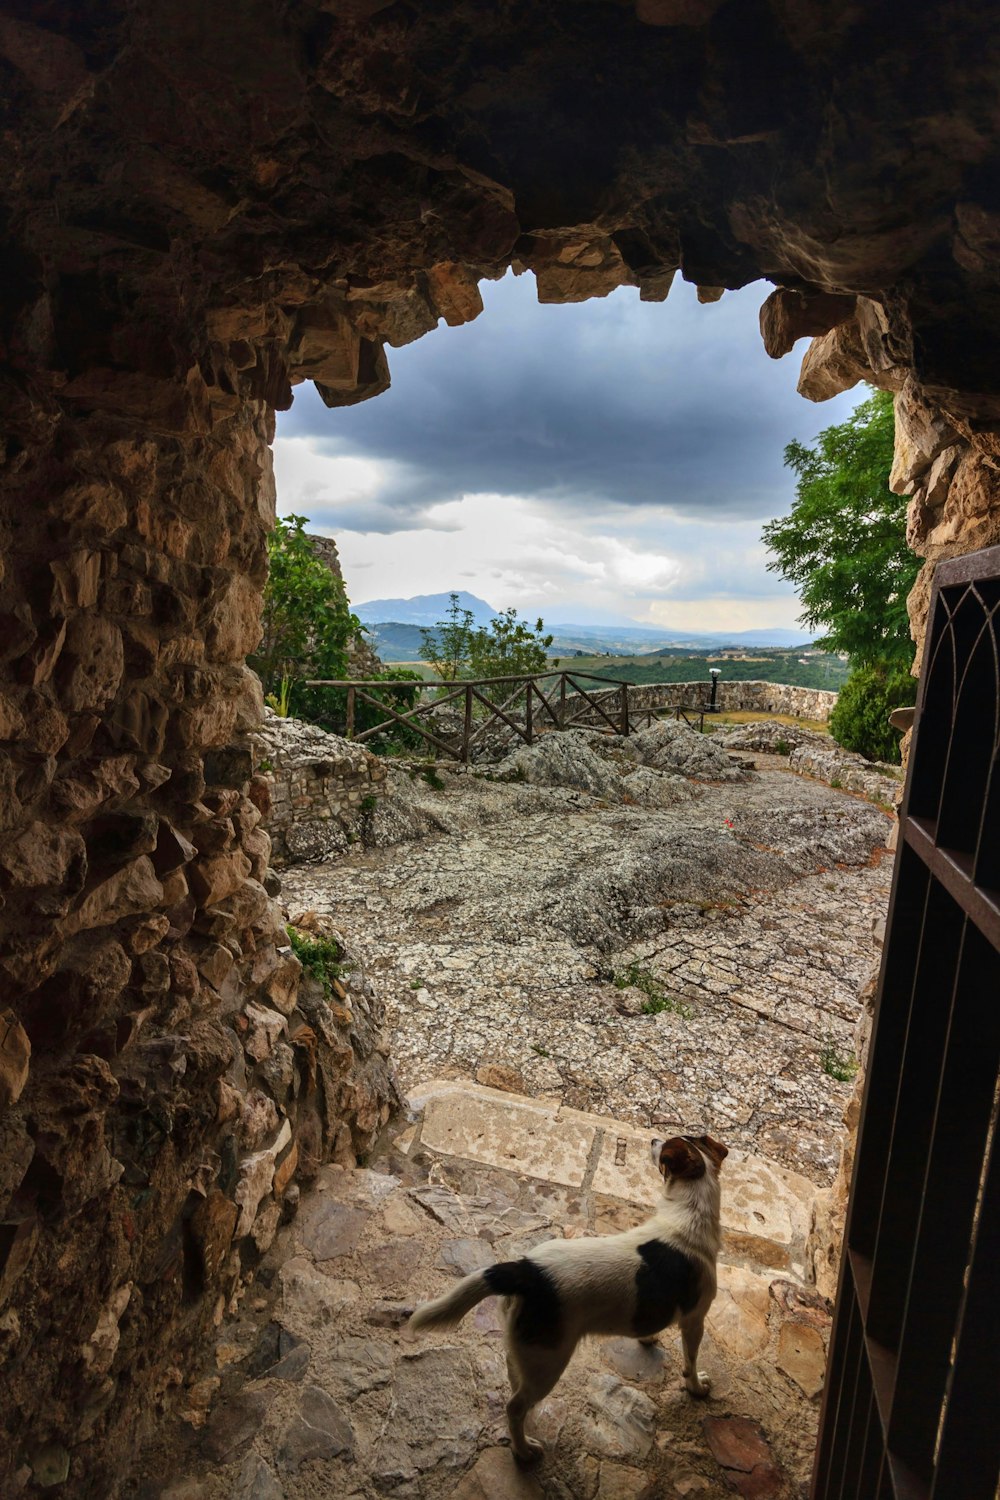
[744,913]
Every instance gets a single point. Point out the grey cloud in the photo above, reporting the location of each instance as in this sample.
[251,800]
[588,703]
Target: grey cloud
[601,409]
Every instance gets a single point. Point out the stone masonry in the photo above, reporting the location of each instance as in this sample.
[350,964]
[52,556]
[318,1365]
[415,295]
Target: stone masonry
[317,787]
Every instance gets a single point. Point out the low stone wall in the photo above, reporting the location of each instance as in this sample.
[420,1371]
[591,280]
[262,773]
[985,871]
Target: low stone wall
[737,697]
[317,786]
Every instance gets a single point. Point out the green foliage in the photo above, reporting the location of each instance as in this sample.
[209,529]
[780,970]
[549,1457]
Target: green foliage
[860,717]
[281,700]
[657,1000]
[366,715]
[782,747]
[446,645]
[506,647]
[765,664]
[369,803]
[837,1064]
[320,957]
[307,622]
[844,543]
[430,775]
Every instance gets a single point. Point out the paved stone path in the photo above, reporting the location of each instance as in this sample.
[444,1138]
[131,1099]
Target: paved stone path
[751,910]
[314,1389]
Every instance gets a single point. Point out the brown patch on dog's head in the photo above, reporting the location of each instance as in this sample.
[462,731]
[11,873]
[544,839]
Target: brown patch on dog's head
[679,1158]
[714,1150]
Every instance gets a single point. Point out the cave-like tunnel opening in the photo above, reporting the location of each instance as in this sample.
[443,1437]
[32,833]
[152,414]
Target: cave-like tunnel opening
[198,209]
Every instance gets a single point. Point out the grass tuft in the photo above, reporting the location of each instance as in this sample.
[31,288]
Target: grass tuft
[635,977]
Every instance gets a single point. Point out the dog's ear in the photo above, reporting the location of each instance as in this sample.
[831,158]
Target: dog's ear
[714,1149]
[678,1158]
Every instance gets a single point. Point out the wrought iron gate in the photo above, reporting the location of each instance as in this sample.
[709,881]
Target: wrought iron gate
[910,1406]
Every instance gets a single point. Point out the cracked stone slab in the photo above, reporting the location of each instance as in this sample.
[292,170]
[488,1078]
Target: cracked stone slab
[525,1136]
[765,1208]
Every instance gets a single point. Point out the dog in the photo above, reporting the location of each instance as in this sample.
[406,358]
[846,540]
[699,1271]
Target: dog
[636,1283]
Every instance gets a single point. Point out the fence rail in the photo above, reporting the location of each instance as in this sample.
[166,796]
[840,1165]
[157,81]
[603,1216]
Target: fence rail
[558,699]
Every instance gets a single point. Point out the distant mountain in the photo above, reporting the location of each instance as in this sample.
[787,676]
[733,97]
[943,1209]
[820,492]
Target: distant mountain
[395,627]
[422,609]
[649,638]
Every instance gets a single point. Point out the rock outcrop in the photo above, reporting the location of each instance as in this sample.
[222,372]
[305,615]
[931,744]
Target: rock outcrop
[362,659]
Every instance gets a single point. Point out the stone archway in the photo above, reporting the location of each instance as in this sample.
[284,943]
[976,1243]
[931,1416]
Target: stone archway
[202,207]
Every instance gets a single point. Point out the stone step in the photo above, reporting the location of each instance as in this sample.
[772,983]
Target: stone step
[765,1208]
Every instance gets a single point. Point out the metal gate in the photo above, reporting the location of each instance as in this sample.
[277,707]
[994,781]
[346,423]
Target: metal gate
[910,1406]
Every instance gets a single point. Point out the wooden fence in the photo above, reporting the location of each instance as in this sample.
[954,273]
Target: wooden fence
[523,704]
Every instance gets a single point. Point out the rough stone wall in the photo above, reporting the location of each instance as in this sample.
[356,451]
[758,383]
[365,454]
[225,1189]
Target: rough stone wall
[318,785]
[159,1090]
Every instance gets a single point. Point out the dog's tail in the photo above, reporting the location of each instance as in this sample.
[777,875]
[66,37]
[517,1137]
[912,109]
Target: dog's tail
[510,1278]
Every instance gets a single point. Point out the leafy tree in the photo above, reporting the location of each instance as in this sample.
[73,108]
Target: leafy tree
[307,622]
[446,645]
[860,717]
[844,543]
[507,647]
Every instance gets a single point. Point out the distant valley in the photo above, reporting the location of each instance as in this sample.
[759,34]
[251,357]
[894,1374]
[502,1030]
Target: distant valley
[394,627]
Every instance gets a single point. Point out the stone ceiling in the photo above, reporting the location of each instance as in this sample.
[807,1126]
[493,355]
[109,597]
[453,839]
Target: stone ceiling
[249,195]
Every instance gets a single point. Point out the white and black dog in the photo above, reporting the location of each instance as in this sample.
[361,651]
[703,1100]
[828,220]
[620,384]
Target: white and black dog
[634,1283]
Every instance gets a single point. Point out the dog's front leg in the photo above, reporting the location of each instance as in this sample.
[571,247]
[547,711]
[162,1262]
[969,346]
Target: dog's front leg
[696,1380]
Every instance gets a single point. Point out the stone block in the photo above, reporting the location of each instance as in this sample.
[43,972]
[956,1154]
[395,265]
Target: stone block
[132,889]
[318,1430]
[214,878]
[325,347]
[527,1137]
[802,1356]
[44,855]
[496,1475]
[92,664]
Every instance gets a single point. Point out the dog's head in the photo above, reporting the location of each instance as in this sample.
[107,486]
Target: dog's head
[688,1156]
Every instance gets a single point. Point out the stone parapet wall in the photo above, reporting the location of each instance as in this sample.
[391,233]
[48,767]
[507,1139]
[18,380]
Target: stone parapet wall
[737,697]
[318,785]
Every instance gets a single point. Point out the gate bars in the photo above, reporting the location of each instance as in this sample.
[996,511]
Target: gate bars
[909,1409]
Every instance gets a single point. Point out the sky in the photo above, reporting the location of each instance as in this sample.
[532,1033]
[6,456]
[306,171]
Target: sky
[596,462]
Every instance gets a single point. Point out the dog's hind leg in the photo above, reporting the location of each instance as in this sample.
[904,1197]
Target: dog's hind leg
[533,1372]
[692,1328]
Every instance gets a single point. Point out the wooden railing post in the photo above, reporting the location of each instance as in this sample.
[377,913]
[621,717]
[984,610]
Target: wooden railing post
[350,712]
[528,727]
[467,726]
[562,701]
[624,717]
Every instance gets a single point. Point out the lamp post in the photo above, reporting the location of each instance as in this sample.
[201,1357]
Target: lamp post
[713,707]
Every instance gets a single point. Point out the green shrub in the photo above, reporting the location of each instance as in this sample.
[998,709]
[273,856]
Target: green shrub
[860,718]
[837,1064]
[320,957]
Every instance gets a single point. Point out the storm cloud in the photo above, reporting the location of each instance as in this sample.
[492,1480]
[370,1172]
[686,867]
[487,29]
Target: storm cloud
[607,460]
[600,408]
